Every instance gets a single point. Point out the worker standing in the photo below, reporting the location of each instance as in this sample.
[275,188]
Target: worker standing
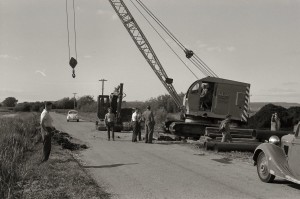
[225,129]
[149,124]
[275,122]
[110,123]
[47,129]
[136,119]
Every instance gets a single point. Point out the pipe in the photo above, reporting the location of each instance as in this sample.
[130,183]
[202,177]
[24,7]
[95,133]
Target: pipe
[233,135]
[266,134]
[224,146]
[209,145]
[232,130]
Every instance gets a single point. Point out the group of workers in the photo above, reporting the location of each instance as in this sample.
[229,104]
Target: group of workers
[136,120]
[47,128]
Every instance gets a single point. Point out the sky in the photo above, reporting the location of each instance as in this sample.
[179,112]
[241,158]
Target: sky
[256,42]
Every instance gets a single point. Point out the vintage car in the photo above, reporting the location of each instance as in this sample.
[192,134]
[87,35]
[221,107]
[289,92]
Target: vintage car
[279,158]
[72,116]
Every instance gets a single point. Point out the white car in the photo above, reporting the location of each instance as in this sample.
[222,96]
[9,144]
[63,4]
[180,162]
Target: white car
[72,115]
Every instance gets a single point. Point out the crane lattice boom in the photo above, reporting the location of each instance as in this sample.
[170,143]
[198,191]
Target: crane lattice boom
[144,46]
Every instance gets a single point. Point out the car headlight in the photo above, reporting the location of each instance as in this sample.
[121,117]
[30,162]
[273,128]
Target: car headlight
[274,140]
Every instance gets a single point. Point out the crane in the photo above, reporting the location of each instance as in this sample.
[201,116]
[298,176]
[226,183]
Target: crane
[145,48]
[225,96]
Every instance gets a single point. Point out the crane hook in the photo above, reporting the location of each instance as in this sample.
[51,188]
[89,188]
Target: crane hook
[73,75]
[73,63]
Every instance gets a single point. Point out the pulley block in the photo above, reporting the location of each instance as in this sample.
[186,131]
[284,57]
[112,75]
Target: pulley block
[189,53]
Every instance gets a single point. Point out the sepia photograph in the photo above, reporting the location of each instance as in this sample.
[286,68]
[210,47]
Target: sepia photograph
[149,99]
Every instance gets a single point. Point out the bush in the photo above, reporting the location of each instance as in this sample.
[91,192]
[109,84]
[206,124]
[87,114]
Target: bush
[65,103]
[86,100]
[23,107]
[15,139]
[89,107]
[10,102]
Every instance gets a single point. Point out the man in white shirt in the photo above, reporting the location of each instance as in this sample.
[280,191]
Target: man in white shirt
[136,118]
[110,120]
[47,129]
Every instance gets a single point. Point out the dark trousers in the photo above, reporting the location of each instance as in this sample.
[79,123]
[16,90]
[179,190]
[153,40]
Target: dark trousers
[110,127]
[139,134]
[226,137]
[149,127]
[47,137]
[136,131]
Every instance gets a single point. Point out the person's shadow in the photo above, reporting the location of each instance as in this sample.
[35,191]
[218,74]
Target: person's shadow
[107,166]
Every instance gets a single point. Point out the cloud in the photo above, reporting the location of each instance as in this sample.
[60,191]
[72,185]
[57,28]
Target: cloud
[87,56]
[100,12]
[214,49]
[6,56]
[41,72]
[231,48]
[291,83]
[283,92]
[114,17]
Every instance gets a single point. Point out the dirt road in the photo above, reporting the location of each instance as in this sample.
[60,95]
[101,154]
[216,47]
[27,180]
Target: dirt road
[139,170]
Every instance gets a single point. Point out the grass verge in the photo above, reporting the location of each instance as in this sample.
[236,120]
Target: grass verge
[17,136]
[60,177]
[22,175]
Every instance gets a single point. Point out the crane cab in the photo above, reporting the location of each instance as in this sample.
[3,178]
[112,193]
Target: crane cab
[214,98]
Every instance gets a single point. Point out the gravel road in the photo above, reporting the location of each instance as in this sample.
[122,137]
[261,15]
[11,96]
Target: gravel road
[162,170]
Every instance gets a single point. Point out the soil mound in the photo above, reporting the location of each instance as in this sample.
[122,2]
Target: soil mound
[64,139]
[262,119]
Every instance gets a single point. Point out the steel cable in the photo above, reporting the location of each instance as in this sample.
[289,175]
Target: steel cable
[164,40]
[161,24]
[68,29]
[197,62]
[75,34]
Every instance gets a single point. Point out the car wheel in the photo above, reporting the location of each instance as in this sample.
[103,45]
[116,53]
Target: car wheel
[67,120]
[263,170]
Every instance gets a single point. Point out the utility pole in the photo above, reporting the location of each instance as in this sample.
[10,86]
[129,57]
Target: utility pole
[102,80]
[74,99]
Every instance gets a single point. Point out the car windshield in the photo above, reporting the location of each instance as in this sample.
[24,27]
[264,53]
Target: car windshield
[73,112]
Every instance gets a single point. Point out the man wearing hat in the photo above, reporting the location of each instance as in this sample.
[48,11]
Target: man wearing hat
[149,124]
[225,129]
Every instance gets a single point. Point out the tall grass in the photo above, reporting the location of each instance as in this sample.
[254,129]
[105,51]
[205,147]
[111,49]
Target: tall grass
[16,137]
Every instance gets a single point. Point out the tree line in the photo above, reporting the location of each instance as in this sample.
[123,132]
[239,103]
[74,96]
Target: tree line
[87,103]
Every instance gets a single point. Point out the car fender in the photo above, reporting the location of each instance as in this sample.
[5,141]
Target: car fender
[277,161]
